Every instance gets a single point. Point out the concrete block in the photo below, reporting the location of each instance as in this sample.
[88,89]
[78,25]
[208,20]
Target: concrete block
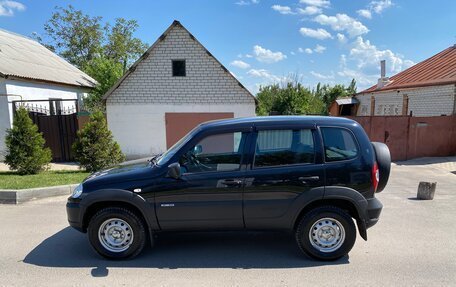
[426,190]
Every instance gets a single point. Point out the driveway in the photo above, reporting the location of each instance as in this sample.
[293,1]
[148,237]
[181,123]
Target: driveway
[413,244]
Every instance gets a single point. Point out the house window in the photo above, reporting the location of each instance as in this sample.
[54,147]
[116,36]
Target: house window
[179,68]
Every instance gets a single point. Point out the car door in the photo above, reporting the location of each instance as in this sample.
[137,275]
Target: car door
[286,166]
[209,193]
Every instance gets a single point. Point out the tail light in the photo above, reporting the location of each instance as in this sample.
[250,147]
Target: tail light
[375,176]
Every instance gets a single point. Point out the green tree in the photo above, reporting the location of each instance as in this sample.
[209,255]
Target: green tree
[121,46]
[106,71]
[75,36]
[103,52]
[290,99]
[25,151]
[329,94]
[95,148]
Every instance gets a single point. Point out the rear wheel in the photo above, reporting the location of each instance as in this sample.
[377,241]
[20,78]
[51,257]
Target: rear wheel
[326,233]
[117,233]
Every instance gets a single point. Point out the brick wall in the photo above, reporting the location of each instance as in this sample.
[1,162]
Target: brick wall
[206,82]
[422,102]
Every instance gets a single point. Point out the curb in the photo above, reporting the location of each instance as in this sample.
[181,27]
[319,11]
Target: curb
[18,196]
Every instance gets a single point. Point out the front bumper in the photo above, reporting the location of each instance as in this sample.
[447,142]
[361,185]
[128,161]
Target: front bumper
[374,208]
[74,215]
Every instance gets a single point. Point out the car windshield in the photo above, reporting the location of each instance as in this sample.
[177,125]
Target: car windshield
[167,155]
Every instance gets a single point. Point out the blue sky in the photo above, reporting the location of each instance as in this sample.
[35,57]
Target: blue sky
[263,41]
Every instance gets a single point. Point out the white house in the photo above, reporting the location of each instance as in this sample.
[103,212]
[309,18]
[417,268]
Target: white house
[30,74]
[425,89]
[174,86]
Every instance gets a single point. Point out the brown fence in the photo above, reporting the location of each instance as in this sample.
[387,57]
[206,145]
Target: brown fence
[59,132]
[411,137]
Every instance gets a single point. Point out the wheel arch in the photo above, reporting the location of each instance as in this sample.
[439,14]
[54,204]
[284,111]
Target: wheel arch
[100,199]
[344,198]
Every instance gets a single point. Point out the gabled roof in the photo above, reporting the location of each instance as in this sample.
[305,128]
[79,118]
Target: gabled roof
[439,69]
[146,54]
[21,57]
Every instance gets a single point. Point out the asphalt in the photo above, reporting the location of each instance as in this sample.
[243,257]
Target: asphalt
[414,244]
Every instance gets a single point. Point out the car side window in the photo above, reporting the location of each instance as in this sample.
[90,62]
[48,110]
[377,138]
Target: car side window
[339,144]
[284,147]
[220,152]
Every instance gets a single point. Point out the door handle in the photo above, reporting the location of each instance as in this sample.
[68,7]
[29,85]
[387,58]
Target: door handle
[306,179]
[231,182]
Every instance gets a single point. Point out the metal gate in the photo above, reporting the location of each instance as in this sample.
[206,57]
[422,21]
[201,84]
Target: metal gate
[58,126]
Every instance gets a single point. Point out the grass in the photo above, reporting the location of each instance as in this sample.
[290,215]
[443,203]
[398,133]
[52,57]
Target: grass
[12,180]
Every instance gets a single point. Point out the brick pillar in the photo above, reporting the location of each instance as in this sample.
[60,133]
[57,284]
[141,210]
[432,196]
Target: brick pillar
[372,106]
[405,101]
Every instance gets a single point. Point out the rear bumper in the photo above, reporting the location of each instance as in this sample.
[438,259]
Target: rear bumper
[374,208]
[74,214]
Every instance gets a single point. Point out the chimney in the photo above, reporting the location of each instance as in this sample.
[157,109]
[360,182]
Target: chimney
[384,80]
[382,68]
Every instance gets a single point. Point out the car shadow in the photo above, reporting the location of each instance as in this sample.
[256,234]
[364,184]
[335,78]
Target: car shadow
[237,250]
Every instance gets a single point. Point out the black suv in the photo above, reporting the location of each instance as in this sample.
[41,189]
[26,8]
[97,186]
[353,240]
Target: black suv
[313,176]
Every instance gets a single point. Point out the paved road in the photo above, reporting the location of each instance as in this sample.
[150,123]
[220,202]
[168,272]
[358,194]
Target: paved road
[413,244]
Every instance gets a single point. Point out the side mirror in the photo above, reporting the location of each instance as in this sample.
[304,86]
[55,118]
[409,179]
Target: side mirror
[198,149]
[174,170]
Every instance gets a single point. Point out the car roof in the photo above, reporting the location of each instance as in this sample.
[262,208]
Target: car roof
[268,120]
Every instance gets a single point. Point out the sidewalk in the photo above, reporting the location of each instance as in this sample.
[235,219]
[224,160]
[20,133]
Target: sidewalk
[447,163]
[53,166]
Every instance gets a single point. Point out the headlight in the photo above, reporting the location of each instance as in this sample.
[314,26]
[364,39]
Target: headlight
[77,191]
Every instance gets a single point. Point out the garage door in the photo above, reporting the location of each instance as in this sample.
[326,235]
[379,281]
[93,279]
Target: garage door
[179,124]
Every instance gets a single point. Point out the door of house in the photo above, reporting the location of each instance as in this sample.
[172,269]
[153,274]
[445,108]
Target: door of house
[179,124]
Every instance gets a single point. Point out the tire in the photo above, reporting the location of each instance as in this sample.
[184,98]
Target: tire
[383,158]
[124,235]
[331,222]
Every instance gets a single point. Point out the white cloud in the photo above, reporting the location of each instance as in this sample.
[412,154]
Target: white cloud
[292,53]
[7,8]
[309,10]
[265,75]
[321,76]
[365,13]
[367,57]
[267,56]
[362,80]
[341,38]
[379,6]
[342,22]
[282,9]
[316,3]
[240,64]
[375,7]
[319,49]
[319,33]
[247,2]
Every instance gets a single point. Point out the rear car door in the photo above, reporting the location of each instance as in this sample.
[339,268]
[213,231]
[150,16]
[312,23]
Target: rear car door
[286,164]
[209,193]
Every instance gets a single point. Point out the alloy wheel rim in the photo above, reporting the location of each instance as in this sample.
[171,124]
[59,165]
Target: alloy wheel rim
[115,235]
[327,235]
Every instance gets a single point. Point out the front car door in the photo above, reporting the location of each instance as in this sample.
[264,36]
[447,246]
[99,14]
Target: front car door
[285,169]
[209,193]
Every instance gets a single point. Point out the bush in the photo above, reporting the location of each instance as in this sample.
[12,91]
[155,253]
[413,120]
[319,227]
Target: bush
[95,148]
[25,151]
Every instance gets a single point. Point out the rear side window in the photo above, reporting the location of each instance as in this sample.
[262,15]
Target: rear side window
[284,147]
[339,144]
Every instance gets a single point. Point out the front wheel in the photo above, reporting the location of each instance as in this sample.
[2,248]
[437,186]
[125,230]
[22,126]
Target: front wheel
[117,233]
[326,233]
